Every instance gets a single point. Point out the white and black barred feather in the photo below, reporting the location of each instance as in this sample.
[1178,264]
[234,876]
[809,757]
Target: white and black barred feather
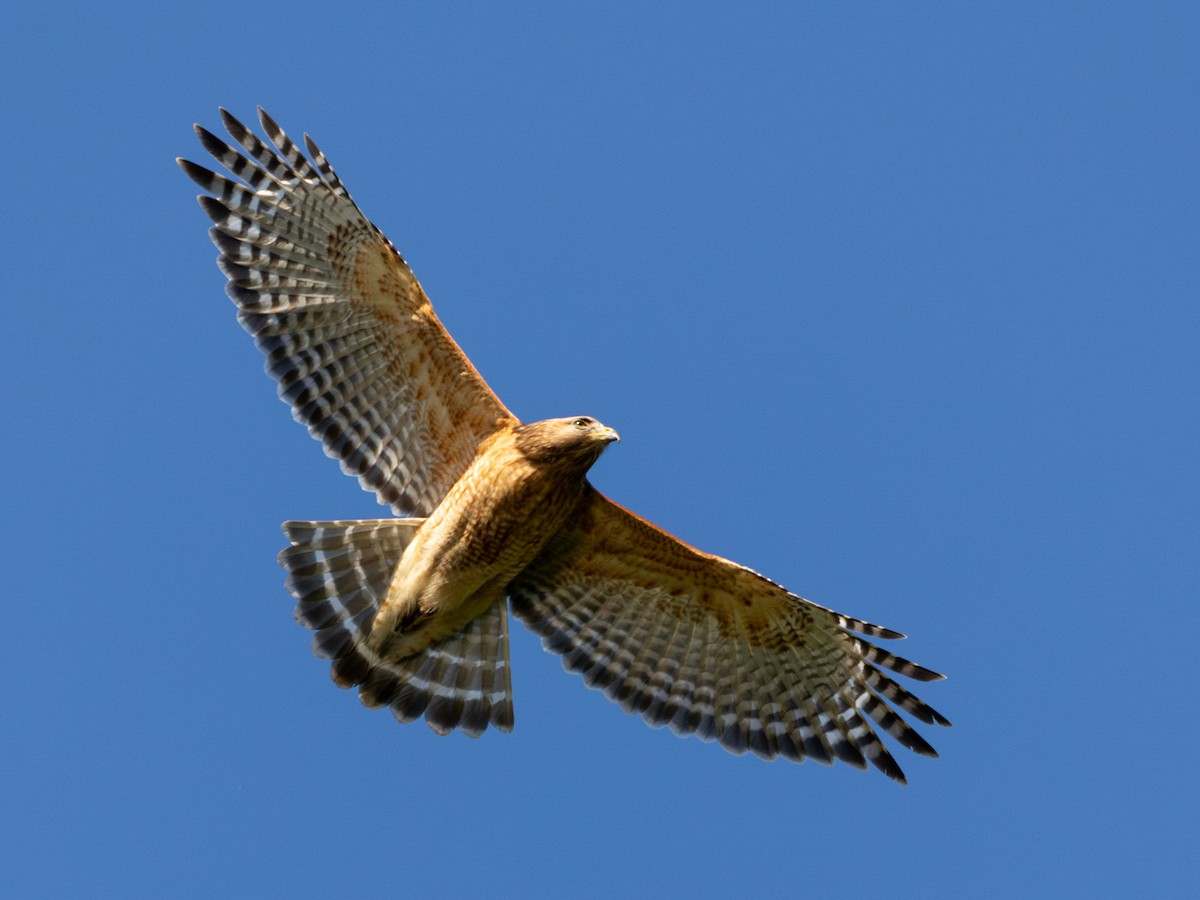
[339,572]
[347,331]
[723,653]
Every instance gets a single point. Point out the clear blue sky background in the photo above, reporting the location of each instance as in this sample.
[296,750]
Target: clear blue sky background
[895,303]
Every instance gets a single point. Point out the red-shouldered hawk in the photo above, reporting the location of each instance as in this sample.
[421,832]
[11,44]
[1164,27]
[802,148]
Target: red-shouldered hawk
[412,610]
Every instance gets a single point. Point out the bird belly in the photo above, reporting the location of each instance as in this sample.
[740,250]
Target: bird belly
[479,538]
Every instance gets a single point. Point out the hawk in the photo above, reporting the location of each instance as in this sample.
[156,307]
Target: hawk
[495,513]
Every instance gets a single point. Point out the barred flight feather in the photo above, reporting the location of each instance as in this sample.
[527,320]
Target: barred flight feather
[703,660]
[349,334]
[338,572]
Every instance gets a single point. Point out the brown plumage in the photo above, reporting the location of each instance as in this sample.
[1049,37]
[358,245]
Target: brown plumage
[412,610]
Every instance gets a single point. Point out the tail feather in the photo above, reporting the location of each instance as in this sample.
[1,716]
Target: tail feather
[339,572]
[462,681]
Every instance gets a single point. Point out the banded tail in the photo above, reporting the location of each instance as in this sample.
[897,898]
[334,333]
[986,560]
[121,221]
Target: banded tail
[339,572]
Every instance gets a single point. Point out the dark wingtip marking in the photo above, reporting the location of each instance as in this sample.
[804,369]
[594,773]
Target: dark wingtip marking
[232,124]
[212,143]
[196,172]
[311,146]
[268,123]
[226,243]
[886,763]
[234,271]
[214,208]
[920,746]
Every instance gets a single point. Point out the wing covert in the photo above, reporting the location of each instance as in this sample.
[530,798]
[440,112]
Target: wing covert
[348,332]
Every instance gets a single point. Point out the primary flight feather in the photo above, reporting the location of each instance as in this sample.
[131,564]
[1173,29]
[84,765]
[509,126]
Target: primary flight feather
[412,611]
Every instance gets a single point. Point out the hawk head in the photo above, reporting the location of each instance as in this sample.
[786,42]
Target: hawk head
[575,440]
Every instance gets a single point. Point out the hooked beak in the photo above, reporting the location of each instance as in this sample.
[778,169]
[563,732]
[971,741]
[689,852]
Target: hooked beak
[610,436]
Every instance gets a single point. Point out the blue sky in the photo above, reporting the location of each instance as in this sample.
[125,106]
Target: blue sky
[895,305]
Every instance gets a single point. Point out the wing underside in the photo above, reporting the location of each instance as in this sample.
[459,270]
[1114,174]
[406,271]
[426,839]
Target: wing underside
[712,649]
[347,330]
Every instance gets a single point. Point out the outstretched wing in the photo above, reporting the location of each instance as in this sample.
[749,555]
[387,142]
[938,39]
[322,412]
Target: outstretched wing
[346,328]
[711,648]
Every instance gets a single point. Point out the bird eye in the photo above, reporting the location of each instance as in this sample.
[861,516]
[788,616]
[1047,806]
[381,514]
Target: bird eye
[582,423]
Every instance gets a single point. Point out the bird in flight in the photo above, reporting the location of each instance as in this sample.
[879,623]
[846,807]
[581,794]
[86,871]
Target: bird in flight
[494,513]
